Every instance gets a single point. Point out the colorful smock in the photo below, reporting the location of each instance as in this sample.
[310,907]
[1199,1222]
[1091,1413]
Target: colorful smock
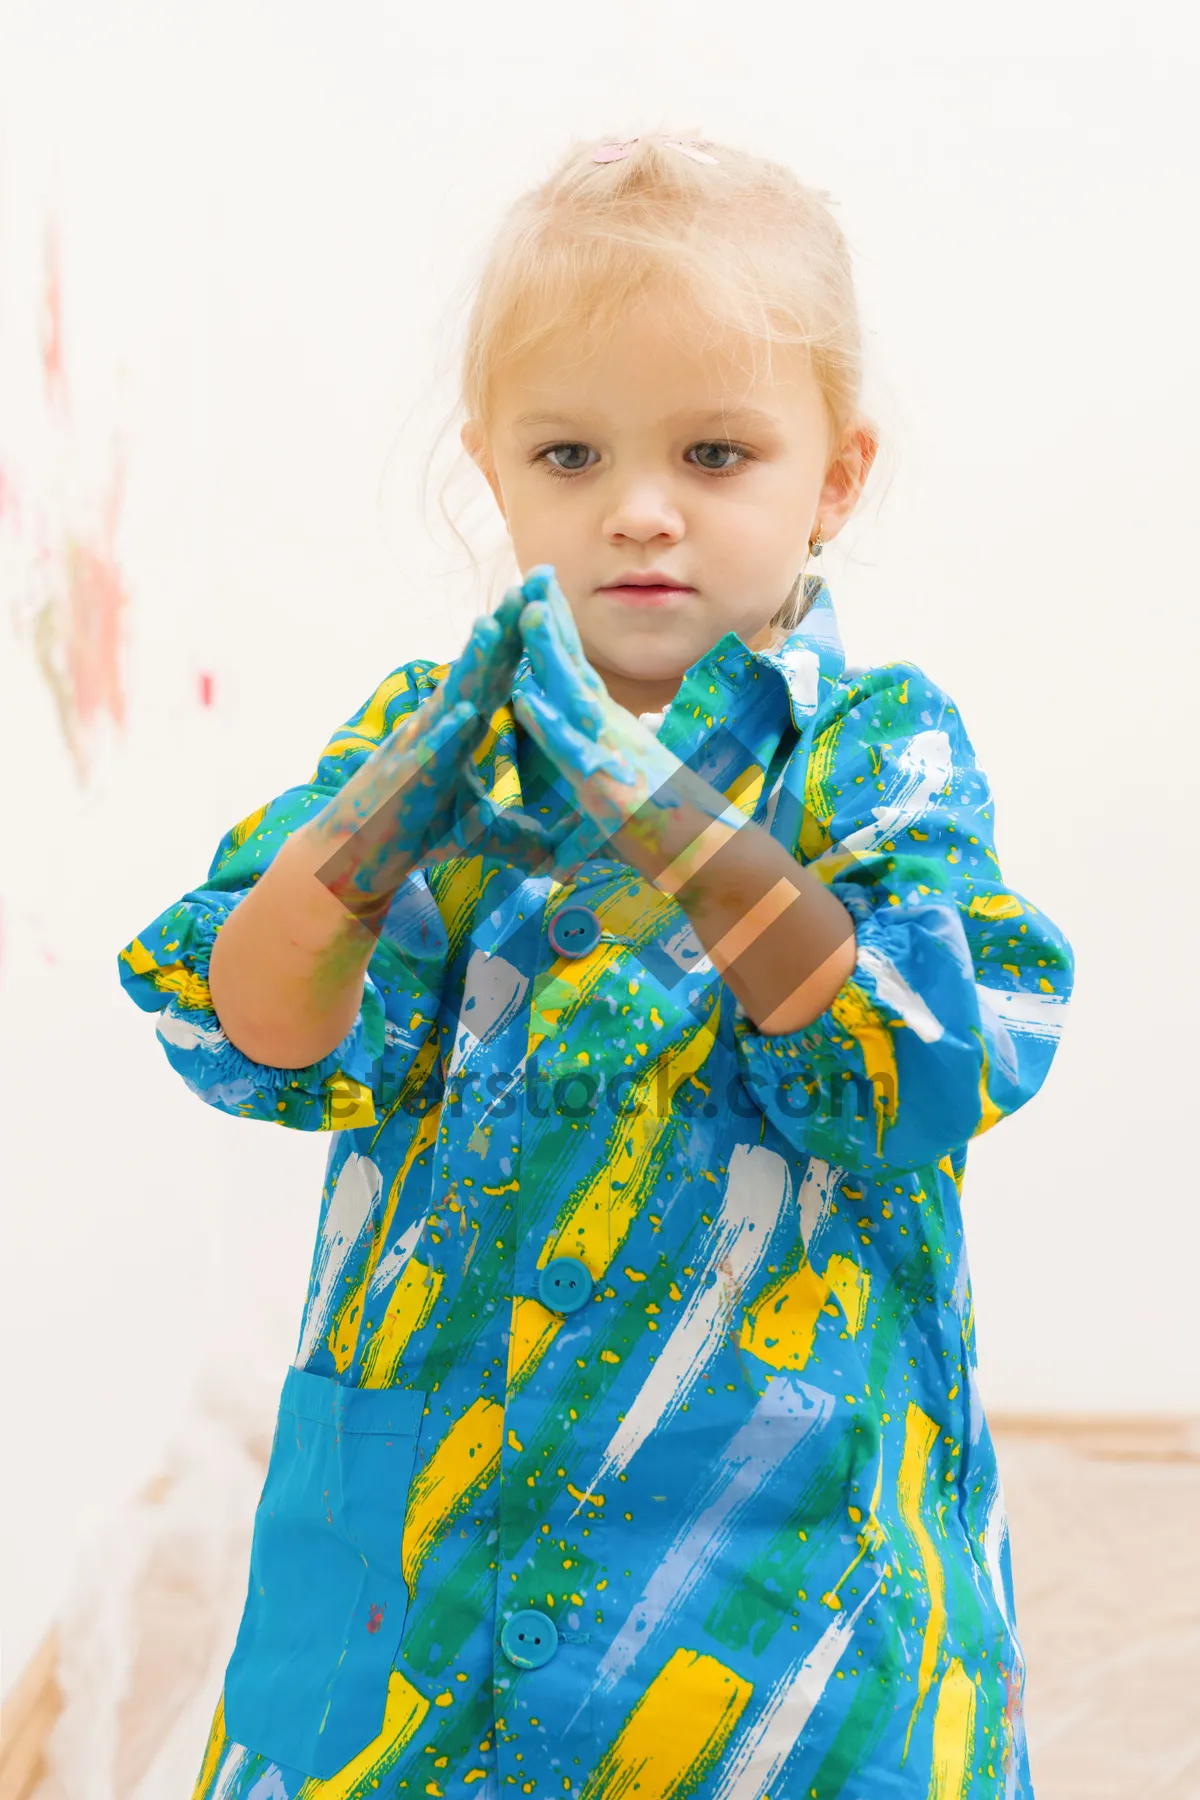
[632,1448]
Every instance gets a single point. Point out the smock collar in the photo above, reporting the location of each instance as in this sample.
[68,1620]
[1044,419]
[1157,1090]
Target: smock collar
[760,691]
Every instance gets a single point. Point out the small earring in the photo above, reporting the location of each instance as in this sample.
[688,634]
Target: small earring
[814,544]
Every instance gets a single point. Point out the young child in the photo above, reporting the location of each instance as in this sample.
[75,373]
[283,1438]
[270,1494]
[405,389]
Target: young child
[652,970]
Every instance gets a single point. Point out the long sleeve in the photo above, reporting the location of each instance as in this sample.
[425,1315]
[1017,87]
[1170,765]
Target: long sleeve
[952,1014]
[165,968]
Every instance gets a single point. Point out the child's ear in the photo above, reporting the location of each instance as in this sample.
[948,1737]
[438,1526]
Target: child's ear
[845,479]
[474,444]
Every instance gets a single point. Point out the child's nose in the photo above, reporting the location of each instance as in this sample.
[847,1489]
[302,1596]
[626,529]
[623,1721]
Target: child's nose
[643,509]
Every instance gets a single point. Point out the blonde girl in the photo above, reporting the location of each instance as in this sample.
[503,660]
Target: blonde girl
[652,971]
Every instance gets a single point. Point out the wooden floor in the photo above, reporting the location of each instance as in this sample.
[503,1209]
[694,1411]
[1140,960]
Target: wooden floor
[1104,1521]
[1105,1528]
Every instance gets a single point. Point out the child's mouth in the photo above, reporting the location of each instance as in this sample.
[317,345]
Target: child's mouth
[647,596]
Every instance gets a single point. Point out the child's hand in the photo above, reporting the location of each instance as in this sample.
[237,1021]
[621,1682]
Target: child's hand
[614,766]
[418,799]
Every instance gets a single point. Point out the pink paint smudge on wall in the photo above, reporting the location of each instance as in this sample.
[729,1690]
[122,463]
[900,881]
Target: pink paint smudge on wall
[78,628]
[74,594]
[53,367]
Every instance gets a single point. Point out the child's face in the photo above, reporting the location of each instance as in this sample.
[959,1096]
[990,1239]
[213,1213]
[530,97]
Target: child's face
[623,469]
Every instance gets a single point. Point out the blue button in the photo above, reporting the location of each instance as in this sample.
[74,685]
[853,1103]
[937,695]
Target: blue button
[565,1284]
[529,1639]
[574,930]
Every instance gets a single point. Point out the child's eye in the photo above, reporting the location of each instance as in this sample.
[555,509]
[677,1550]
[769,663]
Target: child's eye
[553,467]
[719,445]
[732,449]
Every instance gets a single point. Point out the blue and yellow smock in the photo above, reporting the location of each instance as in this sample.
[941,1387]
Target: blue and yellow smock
[632,1447]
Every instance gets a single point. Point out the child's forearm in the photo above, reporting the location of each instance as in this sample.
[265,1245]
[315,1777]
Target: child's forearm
[287,967]
[777,935]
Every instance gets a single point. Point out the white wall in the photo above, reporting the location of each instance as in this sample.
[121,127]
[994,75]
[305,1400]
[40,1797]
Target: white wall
[267,217]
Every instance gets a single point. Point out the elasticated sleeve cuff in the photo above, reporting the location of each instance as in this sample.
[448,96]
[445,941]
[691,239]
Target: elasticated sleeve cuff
[166,971]
[890,1075]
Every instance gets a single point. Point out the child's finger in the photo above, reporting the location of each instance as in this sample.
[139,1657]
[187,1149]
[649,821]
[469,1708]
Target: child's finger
[391,812]
[453,736]
[468,677]
[541,584]
[503,655]
[420,787]
[544,717]
[556,676]
[549,670]
[574,751]
[560,623]
[508,611]
[507,615]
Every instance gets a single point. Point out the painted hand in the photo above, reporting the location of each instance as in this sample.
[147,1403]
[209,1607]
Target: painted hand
[621,778]
[419,799]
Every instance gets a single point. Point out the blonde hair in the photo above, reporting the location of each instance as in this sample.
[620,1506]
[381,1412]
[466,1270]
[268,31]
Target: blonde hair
[740,237]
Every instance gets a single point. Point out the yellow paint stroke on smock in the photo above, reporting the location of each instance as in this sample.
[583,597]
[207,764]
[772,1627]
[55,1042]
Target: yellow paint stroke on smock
[373,727]
[852,1286]
[349,1104]
[920,1435]
[347,1321]
[832,863]
[373,723]
[600,1219]
[995,906]
[488,741]
[413,1082]
[780,1327]
[531,1332]
[169,978]
[409,1308]
[500,740]
[637,912]
[567,983]
[457,888]
[956,1175]
[675,1734]
[989,1113]
[550,998]
[953,1734]
[338,746]
[506,782]
[818,801]
[213,1752]
[461,1466]
[403,1715]
[856,1015]
[745,789]
[243,828]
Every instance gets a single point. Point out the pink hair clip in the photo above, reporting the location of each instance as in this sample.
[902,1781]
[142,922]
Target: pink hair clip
[689,146]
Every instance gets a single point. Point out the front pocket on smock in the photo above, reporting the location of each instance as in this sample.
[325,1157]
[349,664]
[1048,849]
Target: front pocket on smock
[307,1682]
